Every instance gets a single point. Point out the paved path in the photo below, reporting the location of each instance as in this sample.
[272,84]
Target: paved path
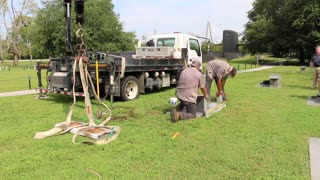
[255,69]
[25,92]
[18,93]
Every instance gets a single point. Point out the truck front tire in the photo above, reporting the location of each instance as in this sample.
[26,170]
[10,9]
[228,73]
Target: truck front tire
[129,88]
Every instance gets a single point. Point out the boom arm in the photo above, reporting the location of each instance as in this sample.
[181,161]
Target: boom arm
[79,8]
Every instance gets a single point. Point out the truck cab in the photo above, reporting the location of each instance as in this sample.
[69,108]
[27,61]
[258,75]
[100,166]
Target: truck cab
[176,46]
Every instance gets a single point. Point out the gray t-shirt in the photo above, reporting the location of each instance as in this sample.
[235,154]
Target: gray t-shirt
[217,68]
[191,79]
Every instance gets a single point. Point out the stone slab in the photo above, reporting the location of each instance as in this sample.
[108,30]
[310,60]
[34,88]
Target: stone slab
[207,109]
[313,101]
[314,150]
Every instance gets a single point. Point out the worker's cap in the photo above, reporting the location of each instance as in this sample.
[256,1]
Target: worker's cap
[233,72]
[195,62]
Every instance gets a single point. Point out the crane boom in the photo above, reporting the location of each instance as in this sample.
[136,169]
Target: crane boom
[79,8]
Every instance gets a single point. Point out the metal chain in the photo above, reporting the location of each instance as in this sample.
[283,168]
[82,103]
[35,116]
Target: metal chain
[81,47]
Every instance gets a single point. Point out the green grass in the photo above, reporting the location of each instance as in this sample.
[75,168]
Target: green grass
[243,63]
[262,134]
[18,77]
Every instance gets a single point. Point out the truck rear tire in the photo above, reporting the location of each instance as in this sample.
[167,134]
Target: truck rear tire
[129,88]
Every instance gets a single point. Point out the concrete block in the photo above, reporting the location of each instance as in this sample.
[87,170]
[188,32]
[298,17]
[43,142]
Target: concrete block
[275,80]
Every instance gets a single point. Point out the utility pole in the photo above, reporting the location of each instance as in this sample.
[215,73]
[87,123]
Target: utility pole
[209,31]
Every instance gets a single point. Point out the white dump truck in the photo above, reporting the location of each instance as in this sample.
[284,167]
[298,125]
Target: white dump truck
[122,74]
[126,74]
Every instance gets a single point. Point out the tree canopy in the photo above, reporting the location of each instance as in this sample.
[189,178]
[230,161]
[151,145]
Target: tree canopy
[102,29]
[15,20]
[283,27]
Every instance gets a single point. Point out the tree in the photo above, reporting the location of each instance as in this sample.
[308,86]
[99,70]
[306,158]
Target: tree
[15,15]
[283,27]
[102,29]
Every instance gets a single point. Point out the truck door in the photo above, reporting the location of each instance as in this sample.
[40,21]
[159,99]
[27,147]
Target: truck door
[194,50]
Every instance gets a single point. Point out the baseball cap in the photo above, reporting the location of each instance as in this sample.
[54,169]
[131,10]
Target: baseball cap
[195,62]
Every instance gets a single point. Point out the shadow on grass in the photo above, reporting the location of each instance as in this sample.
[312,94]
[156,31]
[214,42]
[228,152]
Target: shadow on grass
[298,87]
[299,97]
[57,98]
[157,91]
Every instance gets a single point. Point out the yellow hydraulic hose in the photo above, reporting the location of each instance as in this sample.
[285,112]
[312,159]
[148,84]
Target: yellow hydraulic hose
[97,77]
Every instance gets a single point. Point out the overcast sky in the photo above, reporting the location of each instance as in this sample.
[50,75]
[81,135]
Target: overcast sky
[191,16]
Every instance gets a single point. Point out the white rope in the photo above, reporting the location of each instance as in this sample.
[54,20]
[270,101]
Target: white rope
[107,133]
[87,101]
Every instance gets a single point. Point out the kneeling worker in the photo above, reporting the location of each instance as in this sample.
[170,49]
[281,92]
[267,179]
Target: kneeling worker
[219,71]
[191,79]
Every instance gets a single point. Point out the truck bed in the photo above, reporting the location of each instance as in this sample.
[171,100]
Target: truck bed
[143,64]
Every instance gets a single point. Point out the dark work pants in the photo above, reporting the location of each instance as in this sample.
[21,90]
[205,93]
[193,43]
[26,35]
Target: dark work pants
[208,85]
[191,109]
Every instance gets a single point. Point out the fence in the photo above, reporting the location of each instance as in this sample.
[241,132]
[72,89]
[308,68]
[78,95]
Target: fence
[244,66]
[17,84]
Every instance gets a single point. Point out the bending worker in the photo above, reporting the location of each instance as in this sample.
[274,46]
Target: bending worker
[219,71]
[190,80]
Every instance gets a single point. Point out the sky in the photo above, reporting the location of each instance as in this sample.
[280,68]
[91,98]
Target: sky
[146,17]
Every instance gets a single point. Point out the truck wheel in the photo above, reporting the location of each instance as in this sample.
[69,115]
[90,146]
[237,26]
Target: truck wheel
[129,88]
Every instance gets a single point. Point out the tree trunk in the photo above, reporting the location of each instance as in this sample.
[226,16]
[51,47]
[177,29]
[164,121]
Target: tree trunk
[15,59]
[1,54]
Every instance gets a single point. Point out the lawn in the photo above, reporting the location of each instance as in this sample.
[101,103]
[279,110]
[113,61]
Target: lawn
[262,134]
[21,77]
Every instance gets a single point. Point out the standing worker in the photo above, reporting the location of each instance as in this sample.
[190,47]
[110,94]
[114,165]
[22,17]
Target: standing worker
[315,59]
[315,63]
[191,79]
[219,71]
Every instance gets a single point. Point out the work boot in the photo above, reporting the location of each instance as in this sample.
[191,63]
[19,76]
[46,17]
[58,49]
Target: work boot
[224,97]
[175,115]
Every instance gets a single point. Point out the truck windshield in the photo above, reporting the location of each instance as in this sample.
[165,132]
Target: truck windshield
[168,42]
